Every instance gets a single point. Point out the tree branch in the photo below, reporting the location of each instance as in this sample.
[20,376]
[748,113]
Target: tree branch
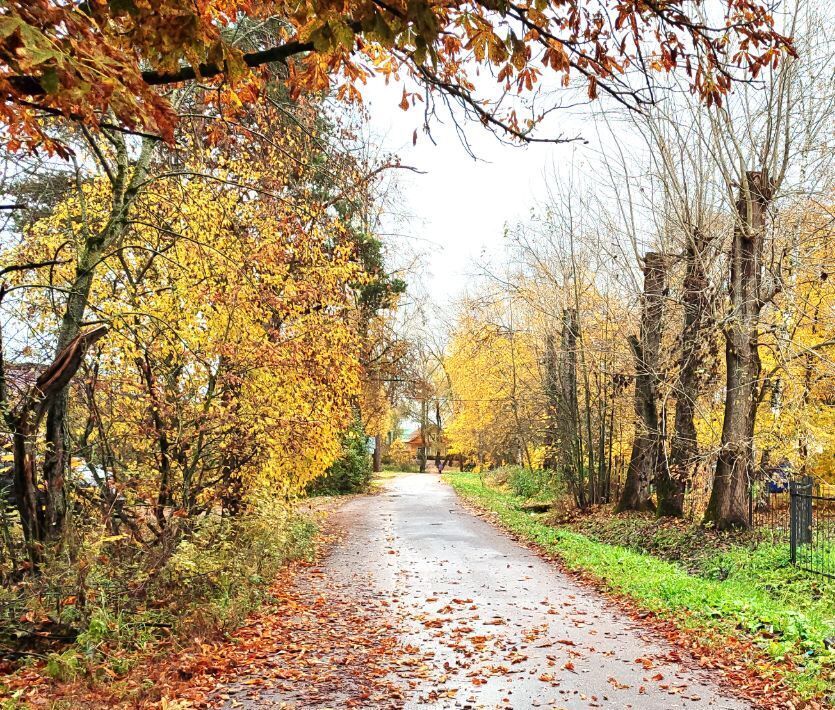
[31,85]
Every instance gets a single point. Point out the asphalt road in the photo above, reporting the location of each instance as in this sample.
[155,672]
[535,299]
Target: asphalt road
[488,623]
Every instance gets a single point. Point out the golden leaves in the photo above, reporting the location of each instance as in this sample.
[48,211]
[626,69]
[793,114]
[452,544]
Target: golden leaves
[230,299]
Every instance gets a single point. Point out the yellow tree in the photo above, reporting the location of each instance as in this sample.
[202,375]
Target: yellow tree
[795,396]
[497,392]
[233,360]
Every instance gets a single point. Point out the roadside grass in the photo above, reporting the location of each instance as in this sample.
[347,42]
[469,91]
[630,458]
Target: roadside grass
[758,594]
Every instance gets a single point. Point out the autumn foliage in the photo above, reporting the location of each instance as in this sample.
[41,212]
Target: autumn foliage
[99,62]
[229,303]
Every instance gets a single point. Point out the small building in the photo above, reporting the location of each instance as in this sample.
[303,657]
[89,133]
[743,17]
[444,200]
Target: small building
[436,444]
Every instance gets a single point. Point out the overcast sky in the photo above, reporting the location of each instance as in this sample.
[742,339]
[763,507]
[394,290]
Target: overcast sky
[458,209]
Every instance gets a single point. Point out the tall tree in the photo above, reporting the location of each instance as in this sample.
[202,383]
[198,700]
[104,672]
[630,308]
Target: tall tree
[647,447]
[672,478]
[757,139]
[728,505]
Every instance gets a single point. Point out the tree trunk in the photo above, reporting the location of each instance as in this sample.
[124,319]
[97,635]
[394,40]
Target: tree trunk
[647,453]
[56,457]
[26,491]
[552,402]
[33,507]
[567,410]
[684,451]
[378,453]
[424,416]
[164,454]
[728,505]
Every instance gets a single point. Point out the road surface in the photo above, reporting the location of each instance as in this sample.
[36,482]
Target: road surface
[483,622]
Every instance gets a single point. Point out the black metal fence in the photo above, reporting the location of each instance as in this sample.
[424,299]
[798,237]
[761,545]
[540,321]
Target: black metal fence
[800,513]
[769,506]
[812,527]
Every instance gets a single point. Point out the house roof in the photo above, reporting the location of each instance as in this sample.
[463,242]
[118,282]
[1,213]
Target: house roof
[415,439]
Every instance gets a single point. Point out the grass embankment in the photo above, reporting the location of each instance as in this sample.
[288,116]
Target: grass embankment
[738,592]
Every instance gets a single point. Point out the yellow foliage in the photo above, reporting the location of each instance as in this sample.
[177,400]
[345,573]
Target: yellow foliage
[233,358]
[496,391]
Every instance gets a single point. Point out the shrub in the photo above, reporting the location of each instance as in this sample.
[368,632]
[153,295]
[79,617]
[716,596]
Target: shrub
[107,597]
[229,562]
[400,456]
[402,467]
[351,473]
[526,483]
[64,666]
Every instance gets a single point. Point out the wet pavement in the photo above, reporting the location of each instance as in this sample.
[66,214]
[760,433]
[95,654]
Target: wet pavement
[483,622]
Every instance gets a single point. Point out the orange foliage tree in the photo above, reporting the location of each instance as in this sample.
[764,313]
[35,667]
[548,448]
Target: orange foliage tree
[101,62]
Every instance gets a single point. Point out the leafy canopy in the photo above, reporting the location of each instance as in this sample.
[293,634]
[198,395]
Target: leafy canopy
[98,61]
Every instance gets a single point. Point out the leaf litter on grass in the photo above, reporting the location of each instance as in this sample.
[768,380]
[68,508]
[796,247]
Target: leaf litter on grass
[318,643]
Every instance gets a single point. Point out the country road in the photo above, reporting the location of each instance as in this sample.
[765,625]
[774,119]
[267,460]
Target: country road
[485,622]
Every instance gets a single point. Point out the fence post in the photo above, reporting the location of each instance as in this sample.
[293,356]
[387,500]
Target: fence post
[793,522]
[800,514]
[805,511]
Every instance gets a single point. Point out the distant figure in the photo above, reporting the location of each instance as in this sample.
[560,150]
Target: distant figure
[440,466]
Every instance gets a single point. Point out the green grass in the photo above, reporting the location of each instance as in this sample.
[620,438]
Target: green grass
[761,597]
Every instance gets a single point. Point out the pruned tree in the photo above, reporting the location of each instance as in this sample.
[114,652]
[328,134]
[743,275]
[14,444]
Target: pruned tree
[728,506]
[756,140]
[647,447]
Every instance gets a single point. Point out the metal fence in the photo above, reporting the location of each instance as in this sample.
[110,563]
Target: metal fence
[800,513]
[812,527]
[769,510]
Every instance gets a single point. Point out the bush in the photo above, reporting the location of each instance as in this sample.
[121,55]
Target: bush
[524,482]
[402,467]
[351,473]
[105,598]
[229,562]
[400,456]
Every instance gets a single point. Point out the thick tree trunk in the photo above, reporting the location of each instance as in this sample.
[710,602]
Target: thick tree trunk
[672,481]
[647,453]
[378,453]
[728,505]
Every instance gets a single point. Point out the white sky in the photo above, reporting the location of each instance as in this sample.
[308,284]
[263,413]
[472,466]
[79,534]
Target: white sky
[457,211]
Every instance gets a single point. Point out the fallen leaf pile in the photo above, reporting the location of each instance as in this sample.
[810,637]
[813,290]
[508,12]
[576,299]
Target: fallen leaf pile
[318,643]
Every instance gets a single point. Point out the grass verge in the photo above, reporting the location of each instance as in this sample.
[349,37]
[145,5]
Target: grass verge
[795,629]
